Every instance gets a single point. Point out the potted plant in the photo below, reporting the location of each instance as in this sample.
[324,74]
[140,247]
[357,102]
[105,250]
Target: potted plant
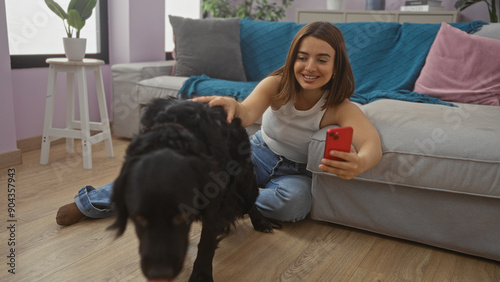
[334,4]
[74,20]
[255,9]
[492,8]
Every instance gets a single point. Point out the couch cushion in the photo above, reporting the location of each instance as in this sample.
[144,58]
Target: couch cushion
[386,57]
[432,147]
[158,87]
[461,68]
[209,46]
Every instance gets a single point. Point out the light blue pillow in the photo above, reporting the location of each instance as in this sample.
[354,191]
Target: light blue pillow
[264,46]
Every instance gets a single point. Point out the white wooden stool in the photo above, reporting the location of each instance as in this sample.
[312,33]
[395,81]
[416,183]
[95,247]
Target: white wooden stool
[76,129]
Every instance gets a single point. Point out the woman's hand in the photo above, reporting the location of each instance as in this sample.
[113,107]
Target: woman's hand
[230,105]
[346,169]
[252,108]
[366,140]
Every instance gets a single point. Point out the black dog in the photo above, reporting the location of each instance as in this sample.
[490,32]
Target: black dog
[187,164]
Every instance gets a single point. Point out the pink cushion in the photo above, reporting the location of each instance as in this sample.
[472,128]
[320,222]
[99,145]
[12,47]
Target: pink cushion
[461,68]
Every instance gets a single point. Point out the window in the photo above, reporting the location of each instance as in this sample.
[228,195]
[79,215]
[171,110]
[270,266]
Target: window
[35,33]
[187,9]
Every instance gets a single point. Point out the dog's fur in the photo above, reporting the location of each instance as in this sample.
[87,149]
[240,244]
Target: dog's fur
[187,164]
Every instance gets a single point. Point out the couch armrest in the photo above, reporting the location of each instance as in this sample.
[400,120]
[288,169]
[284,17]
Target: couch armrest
[158,70]
[136,72]
[126,109]
[317,149]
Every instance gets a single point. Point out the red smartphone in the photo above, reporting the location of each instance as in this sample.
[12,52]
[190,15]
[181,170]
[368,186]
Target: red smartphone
[338,139]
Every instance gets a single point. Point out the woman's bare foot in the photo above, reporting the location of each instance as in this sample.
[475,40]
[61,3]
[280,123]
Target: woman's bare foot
[69,214]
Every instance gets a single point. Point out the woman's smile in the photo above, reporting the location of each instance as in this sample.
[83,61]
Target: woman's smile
[314,64]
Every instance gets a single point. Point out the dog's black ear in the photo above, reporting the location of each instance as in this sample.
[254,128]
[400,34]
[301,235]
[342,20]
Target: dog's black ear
[118,198]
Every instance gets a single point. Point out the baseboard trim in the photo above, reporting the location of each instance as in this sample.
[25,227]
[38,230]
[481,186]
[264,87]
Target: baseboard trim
[10,159]
[30,144]
[34,143]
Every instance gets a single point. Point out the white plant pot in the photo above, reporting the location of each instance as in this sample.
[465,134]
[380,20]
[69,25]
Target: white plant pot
[334,4]
[75,48]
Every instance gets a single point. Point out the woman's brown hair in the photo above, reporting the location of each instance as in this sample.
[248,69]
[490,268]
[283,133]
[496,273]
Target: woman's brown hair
[341,86]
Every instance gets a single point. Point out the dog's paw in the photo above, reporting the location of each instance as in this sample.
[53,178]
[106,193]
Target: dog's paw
[266,225]
[200,277]
[262,223]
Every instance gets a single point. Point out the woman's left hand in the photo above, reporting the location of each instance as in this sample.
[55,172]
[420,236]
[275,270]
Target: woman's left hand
[346,169]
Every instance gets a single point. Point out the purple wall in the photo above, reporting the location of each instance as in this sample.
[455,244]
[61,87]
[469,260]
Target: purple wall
[136,29]
[475,12]
[7,122]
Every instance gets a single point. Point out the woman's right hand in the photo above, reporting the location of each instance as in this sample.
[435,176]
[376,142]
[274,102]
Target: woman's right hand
[229,104]
[252,108]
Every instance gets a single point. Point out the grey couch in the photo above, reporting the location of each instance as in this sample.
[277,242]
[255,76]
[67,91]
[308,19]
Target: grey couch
[438,182]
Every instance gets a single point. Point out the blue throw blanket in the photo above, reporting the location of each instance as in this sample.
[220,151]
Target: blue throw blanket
[205,86]
[386,58]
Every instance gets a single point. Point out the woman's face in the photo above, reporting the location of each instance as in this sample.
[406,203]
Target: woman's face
[313,67]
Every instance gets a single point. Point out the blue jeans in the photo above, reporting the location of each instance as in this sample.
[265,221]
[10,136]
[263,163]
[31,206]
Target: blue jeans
[285,193]
[95,203]
[286,185]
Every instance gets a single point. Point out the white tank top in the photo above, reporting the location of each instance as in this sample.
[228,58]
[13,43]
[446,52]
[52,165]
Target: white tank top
[287,131]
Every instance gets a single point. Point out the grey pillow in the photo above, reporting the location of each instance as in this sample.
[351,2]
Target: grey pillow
[491,30]
[208,46]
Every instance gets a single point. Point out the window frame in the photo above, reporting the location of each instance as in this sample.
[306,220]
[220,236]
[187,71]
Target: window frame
[169,55]
[38,61]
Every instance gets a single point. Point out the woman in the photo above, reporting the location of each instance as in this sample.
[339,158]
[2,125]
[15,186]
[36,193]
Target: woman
[309,92]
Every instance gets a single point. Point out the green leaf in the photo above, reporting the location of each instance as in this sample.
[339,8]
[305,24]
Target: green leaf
[263,9]
[85,7]
[459,4]
[464,4]
[75,20]
[54,7]
[72,4]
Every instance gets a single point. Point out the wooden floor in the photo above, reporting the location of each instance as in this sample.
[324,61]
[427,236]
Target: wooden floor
[303,251]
